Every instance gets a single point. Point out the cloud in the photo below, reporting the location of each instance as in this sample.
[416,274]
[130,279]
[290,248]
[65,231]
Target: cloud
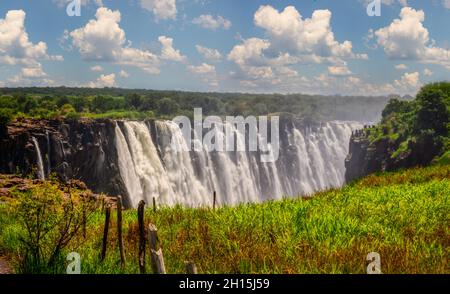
[407,39]
[103,81]
[401,66]
[427,72]
[124,74]
[207,53]
[339,70]
[102,39]
[207,73]
[204,68]
[289,31]
[97,68]
[17,49]
[33,72]
[168,52]
[31,76]
[291,40]
[408,81]
[446,3]
[162,9]
[15,46]
[210,22]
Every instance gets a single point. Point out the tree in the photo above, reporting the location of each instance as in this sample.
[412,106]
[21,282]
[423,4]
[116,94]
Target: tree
[396,106]
[67,109]
[148,103]
[60,101]
[167,106]
[432,113]
[102,103]
[30,104]
[79,103]
[133,101]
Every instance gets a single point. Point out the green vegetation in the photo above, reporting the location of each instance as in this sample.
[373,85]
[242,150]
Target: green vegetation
[403,216]
[422,124]
[144,104]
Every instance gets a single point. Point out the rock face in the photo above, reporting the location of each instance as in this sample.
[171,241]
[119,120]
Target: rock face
[365,158]
[71,149]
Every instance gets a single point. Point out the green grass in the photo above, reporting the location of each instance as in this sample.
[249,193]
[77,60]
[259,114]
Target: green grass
[404,216]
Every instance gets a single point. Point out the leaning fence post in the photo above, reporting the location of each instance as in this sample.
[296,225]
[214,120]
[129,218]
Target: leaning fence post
[191,268]
[154,204]
[105,231]
[156,251]
[141,236]
[119,230]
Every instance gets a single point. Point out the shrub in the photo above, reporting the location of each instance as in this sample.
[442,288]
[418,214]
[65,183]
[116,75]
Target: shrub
[50,218]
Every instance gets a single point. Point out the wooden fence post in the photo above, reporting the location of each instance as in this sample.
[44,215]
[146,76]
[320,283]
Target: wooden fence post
[103,204]
[142,238]
[119,230]
[214,200]
[191,268]
[154,204]
[157,258]
[105,232]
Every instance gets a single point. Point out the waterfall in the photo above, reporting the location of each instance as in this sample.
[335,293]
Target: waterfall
[40,163]
[49,165]
[311,159]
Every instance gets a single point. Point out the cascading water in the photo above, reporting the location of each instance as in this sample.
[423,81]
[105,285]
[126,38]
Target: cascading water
[49,165]
[310,160]
[40,163]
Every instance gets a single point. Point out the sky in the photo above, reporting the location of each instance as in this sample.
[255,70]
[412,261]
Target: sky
[299,46]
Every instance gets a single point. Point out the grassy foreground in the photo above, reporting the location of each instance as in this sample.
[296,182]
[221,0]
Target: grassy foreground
[403,216]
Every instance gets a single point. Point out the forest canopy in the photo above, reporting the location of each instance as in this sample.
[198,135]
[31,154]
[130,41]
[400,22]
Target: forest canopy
[144,104]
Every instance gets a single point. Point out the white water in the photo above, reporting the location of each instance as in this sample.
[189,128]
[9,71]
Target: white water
[49,164]
[40,163]
[310,160]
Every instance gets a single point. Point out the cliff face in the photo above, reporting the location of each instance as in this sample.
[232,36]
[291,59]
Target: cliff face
[367,157]
[80,149]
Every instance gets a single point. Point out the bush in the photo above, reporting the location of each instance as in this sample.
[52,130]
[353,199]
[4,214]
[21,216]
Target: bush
[50,218]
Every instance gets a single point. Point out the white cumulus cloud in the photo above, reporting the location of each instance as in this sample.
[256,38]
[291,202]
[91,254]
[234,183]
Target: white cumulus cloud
[401,66]
[162,9]
[15,46]
[407,38]
[96,68]
[339,70]
[124,74]
[104,81]
[102,39]
[211,22]
[168,52]
[208,53]
[291,32]
[204,68]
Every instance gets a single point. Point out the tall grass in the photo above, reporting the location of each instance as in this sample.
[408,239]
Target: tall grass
[403,216]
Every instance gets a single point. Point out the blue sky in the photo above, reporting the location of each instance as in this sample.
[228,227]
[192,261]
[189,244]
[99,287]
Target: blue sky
[303,46]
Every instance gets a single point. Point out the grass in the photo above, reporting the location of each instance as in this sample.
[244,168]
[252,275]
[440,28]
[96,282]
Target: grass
[404,216]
